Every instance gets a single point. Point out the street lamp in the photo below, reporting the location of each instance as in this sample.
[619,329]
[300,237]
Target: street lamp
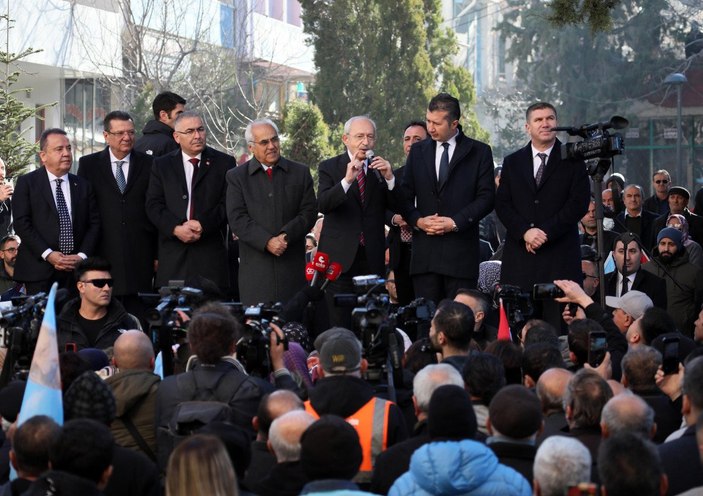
[677,79]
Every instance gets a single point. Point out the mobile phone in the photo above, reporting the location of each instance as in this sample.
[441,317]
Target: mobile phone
[71,347]
[597,346]
[670,356]
[546,291]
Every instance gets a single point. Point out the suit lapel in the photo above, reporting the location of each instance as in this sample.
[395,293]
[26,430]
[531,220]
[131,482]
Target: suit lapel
[428,156]
[203,166]
[105,167]
[75,194]
[552,162]
[45,188]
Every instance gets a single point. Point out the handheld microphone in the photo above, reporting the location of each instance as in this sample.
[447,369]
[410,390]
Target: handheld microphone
[319,263]
[369,157]
[309,271]
[332,274]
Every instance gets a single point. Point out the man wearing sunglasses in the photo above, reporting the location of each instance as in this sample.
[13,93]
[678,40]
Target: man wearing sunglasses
[659,201]
[94,319]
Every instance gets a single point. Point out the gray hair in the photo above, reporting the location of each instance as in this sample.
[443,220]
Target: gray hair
[347,125]
[627,413]
[249,137]
[188,114]
[285,434]
[430,378]
[561,462]
[633,186]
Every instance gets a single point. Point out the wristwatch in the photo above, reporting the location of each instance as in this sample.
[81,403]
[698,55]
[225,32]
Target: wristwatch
[455,228]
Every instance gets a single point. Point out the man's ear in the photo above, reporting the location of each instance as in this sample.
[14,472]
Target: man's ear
[104,478]
[255,423]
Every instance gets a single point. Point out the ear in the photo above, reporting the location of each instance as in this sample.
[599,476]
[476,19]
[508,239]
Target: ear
[528,381]
[269,447]
[255,423]
[415,408]
[653,432]
[604,431]
[104,478]
[572,357]
[568,412]
[685,405]
[489,427]
[535,488]
[663,484]
[13,460]
[623,379]
[364,365]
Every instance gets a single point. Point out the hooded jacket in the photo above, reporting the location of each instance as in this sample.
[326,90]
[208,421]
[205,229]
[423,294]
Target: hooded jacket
[69,331]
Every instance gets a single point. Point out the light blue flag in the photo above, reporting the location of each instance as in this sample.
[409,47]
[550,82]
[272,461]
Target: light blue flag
[42,395]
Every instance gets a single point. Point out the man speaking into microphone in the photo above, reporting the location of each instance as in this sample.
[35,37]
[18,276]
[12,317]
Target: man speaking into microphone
[353,195]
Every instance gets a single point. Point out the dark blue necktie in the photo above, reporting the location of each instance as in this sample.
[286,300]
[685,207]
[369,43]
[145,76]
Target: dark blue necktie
[444,164]
[65,226]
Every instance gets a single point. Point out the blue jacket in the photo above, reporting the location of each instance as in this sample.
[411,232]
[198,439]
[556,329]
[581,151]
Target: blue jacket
[458,468]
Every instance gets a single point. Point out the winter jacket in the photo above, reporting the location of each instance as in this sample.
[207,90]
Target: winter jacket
[57,483]
[69,331]
[459,468]
[156,140]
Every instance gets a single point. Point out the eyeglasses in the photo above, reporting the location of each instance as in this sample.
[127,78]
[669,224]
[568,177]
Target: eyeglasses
[100,283]
[129,133]
[11,250]
[265,142]
[662,181]
[360,137]
[189,132]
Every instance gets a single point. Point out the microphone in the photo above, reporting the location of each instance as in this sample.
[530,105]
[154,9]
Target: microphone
[319,263]
[369,157]
[332,274]
[309,271]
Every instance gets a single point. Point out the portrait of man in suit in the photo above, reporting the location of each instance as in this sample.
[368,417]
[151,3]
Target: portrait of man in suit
[55,216]
[448,188]
[186,203]
[119,176]
[354,194]
[270,207]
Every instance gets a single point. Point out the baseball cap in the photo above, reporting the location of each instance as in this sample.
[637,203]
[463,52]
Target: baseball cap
[340,354]
[633,303]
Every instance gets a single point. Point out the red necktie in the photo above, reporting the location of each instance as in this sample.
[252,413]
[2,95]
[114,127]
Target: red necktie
[195,163]
[269,173]
[361,178]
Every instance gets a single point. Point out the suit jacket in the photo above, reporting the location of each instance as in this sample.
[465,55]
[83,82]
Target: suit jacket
[6,218]
[648,283]
[36,222]
[346,218]
[166,204]
[466,196]
[681,462]
[647,235]
[127,238]
[393,238]
[555,207]
[259,209]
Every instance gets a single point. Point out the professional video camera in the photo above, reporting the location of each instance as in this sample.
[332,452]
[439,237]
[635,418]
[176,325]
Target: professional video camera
[20,328]
[597,142]
[254,345]
[415,318]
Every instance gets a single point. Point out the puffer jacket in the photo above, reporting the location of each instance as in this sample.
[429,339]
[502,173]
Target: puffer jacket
[459,468]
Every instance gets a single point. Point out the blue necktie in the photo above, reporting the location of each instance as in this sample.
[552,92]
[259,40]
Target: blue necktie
[119,176]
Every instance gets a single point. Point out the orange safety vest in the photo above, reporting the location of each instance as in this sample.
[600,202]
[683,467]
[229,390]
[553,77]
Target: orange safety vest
[371,424]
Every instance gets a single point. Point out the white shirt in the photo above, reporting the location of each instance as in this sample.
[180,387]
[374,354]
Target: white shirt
[439,150]
[188,169]
[536,161]
[618,288]
[125,165]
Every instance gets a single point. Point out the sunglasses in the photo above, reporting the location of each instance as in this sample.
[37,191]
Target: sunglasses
[662,181]
[100,283]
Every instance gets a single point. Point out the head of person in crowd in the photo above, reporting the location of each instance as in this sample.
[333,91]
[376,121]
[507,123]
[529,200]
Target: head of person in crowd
[89,397]
[359,135]
[190,133]
[627,413]
[537,358]
[540,118]
[426,382]
[584,399]
[590,277]
[340,353]
[200,465]
[679,222]
[330,449]
[264,142]
[678,199]
[71,366]
[669,245]
[560,463]
[488,276]
[639,366]
[692,389]
[133,351]
[8,252]
[551,388]
[213,333]
[630,464]
[627,253]
[538,331]
[415,131]
[607,198]
[515,413]
[285,434]
[628,308]
[655,322]
[588,221]
[272,406]
[615,181]
[661,181]
[496,175]
[310,242]
[29,454]
[578,338]
[450,415]
[484,376]
[511,355]
[55,151]
[442,118]
[167,106]
[632,198]
[419,355]
[477,302]
[452,328]
[84,448]
[94,283]
[118,131]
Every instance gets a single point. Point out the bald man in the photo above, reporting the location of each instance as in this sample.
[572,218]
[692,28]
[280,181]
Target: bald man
[134,385]
[550,391]
[627,413]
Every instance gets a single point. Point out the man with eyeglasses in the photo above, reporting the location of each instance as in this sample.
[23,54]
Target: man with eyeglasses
[120,177]
[94,319]
[186,202]
[270,207]
[8,254]
[659,201]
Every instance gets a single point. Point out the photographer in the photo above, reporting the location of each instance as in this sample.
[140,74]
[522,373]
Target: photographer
[617,344]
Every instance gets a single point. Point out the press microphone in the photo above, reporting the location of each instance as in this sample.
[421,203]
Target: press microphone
[332,274]
[309,271]
[319,262]
[369,157]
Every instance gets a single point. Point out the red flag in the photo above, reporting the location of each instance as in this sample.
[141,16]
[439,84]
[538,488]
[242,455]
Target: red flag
[503,327]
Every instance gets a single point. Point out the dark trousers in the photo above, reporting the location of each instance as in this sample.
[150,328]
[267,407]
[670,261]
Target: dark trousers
[401,274]
[437,287]
[341,316]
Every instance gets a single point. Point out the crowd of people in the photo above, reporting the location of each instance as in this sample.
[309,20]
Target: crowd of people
[430,388]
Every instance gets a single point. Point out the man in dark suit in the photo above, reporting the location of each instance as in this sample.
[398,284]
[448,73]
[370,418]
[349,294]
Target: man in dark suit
[627,255]
[120,177]
[400,233]
[354,195]
[540,200]
[635,218]
[186,203]
[55,216]
[448,188]
[270,207]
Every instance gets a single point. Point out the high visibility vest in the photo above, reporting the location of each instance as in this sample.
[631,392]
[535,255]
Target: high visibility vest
[371,424]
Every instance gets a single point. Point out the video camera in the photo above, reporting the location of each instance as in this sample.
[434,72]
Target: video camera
[171,299]
[254,345]
[597,142]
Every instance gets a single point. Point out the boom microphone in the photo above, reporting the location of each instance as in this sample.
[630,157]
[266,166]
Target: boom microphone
[332,274]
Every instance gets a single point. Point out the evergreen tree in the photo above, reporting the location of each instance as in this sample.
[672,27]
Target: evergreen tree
[306,134]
